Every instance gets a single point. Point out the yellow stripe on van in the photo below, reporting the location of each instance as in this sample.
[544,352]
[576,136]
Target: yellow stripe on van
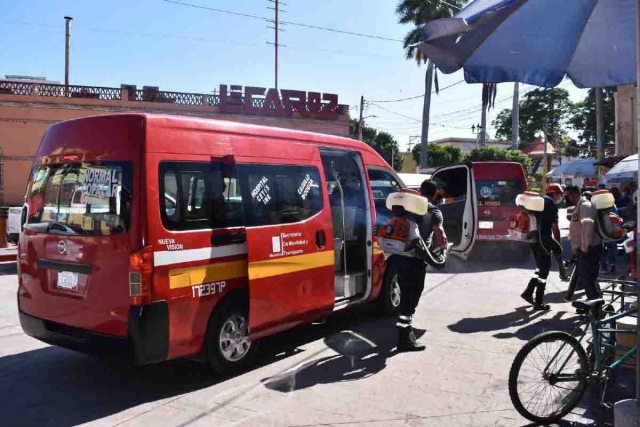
[191,276]
[292,264]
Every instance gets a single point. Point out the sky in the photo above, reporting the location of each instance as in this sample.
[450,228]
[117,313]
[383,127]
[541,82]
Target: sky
[183,48]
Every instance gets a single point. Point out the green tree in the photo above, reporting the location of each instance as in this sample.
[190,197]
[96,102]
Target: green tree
[583,120]
[544,106]
[500,154]
[417,13]
[439,155]
[383,142]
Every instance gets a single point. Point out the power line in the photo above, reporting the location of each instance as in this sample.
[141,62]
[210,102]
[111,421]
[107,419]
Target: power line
[447,4]
[297,24]
[420,96]
[79,27]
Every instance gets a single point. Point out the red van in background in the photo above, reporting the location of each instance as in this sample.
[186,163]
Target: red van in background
[497,185]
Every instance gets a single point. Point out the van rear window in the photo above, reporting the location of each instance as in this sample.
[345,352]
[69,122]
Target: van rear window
[89,199]
[501,192]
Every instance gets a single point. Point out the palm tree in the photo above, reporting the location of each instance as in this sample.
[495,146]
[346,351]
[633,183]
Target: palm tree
[418,13]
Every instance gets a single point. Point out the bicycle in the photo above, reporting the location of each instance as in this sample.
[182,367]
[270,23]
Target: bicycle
[546,390]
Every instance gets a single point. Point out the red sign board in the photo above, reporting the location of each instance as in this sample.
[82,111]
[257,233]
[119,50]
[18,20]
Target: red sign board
[259,101]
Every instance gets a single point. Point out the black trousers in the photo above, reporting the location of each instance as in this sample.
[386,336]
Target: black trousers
[411,281]
[542,250]
[587,267]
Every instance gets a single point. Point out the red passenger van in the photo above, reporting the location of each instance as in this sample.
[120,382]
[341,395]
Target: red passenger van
[158,237]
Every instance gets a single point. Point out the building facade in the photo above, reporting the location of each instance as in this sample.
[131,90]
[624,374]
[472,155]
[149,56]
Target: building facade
[27,108]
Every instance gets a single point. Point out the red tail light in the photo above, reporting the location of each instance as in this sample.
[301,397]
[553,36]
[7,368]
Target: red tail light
[140,269]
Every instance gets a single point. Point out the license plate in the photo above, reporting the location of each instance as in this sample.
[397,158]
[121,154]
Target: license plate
[68,280]
[485,225]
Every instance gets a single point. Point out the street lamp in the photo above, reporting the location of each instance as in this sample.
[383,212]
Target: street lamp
[361,125]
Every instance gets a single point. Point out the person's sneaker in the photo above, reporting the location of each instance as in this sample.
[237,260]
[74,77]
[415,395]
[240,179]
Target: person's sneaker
[541,307]
[408,342]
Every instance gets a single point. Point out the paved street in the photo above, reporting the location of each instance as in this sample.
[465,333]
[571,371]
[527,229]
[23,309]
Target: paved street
[344,372]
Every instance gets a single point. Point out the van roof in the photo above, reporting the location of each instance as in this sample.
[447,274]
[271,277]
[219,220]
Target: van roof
[498,170]
[163,121]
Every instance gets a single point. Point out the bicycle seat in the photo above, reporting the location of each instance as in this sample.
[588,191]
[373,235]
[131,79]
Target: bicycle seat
[588,304]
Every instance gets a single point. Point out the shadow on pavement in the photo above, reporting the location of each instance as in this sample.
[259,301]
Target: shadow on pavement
[521,316]
[8,268]
[359,355]
[58,387]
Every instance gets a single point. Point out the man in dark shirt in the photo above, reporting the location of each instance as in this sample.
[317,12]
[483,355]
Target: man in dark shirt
[546,241]
[412,270]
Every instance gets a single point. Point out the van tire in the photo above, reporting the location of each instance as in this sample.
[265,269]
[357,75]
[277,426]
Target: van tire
[389,300]
[231,314]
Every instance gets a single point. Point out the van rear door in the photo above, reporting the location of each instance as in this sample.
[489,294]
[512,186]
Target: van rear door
[76,242]
[82,211]
[291,257]
[457,201]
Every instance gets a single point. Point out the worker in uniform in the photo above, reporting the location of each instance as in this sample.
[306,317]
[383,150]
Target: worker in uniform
[543,246]
[412,270]
[586,244]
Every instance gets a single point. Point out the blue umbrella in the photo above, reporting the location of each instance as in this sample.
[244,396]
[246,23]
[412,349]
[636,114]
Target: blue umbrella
[578,167]
[625,170]
[539,42]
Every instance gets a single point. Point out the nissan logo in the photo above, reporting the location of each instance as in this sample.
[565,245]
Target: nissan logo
[62,247]
[486,212]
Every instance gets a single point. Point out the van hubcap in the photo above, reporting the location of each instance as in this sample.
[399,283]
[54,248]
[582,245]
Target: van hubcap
[234,344]
[395,291]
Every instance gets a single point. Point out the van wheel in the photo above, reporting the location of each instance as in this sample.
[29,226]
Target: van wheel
[390,295]
[228,351]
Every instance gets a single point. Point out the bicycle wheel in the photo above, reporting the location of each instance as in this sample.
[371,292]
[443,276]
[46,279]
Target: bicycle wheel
[537,388]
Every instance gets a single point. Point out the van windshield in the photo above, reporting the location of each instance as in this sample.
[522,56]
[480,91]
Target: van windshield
[501,192]
[89,199]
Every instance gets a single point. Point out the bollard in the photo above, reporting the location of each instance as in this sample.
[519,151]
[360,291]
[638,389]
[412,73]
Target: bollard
[626,413]
[4,215]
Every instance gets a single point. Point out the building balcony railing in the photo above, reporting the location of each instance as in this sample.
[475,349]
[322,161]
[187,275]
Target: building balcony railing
[132,94]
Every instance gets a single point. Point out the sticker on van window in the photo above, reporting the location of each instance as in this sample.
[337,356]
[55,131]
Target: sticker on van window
[99,183]
[305,187]
[485,192]
[261,191]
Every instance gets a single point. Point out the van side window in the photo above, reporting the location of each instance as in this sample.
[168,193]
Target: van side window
[198,195]
[277,194]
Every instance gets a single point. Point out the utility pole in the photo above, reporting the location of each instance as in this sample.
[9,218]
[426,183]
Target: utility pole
[276,28]
[424,145]
[600,126]
[515,117]
[544,157]
[277,25]
[483,126]
[67,53]
[361,119]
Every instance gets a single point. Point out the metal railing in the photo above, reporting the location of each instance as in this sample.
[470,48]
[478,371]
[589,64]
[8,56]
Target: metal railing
[140,95]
